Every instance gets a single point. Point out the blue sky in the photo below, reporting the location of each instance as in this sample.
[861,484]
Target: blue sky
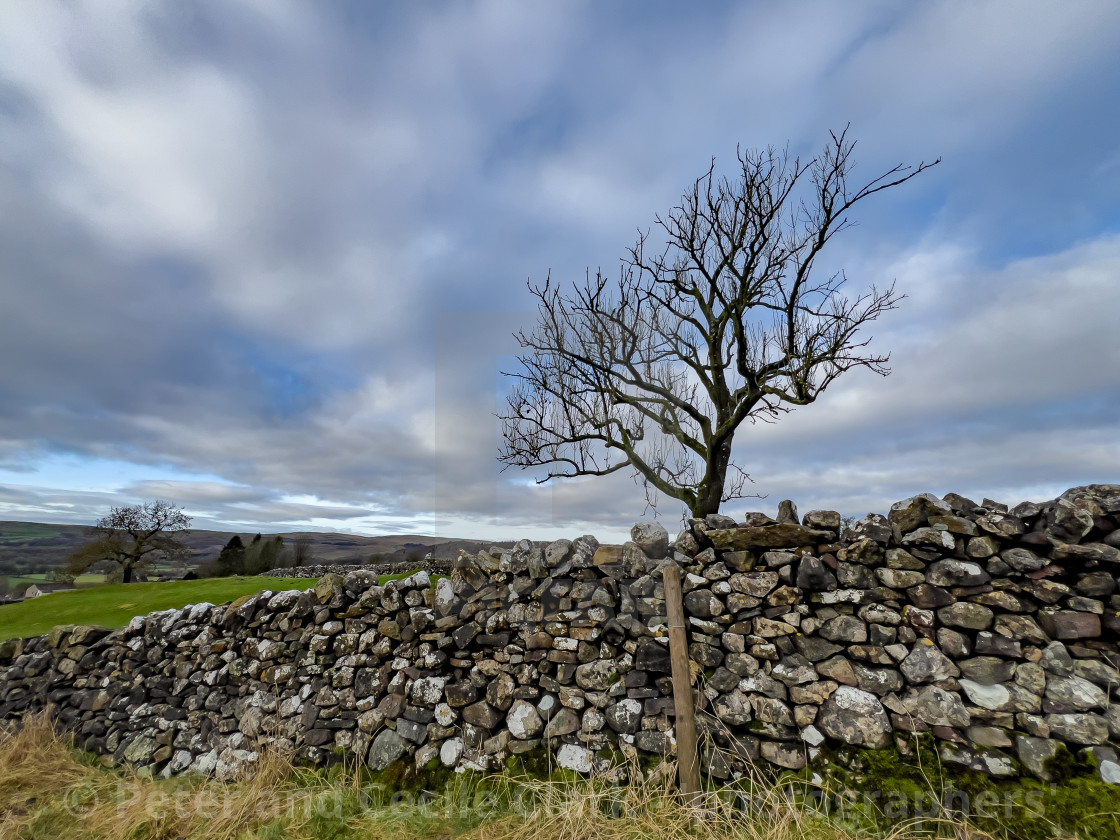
[264,258]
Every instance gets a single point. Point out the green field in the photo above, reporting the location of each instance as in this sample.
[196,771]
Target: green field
[113,605]
[16,532]
[90,579]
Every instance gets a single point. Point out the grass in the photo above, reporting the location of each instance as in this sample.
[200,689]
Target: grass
[89,579]
[113,605]
[49,790]
[17,532]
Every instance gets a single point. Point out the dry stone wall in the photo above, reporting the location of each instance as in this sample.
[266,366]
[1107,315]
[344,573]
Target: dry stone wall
[996,630]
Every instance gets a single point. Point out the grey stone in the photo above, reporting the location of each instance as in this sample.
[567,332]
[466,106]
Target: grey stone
[766,536]
[996,698]
[1086,729]
[844,628]
[930,538]
[822,519]
[936,706]
[596,676]
[927,664]
[783,755]
[956,573]
[914,512]
[564,722]
[878,681]
[523,721]
[1066,523]
[967,615]
[987,670]
[1076,693]
[855,717]
[702,603]
[651,538]
[732,708]
[982,547]
[572,757]
[794,669]
[812,575]
[625,716]
[386,748]
[1056,659]
[787,513]
[1022,560]
[1001,525]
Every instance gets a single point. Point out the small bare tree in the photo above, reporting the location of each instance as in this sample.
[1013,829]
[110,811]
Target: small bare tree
[132,537]
[658,369]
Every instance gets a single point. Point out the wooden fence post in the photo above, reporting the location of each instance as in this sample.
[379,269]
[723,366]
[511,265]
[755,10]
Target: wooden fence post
[688,765]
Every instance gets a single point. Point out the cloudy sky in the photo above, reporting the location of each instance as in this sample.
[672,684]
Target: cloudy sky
[264,258]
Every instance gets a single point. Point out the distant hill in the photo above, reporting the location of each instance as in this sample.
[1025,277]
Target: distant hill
[31,547]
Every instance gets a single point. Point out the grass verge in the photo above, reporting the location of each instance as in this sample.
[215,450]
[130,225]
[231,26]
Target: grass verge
[49,790]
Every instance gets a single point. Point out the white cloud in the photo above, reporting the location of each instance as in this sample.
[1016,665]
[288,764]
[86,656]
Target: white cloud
[241,241]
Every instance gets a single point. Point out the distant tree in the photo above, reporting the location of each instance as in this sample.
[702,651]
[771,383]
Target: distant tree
[724,322]
[133,538]
[302,552]
[230,561]
[263,555]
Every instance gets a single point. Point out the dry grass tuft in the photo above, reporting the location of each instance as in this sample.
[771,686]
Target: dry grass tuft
[49,790]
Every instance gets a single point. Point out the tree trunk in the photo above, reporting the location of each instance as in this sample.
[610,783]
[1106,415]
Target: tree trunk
[127,576]
[709,495]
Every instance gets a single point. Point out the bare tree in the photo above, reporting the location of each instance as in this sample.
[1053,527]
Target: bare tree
[303,552]
[133,537]
[658,369]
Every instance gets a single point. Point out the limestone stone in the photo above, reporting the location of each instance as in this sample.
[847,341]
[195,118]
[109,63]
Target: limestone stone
[597,675]
[732,708]
[523,721]
[766,536]
[930,538]
[956,573]
[1066,523]
[927,664]
[1076,693]
[1022,560]
[814,576]
[625,716]
[967,615]
[844,628]
[787,513]
[651,538]
[1067,625]
[996,698]
[987,670]
[822,519]
[573,757]
[855,717]
[915,512]
[899,578]
[982,547]
[386,748]
[1079,728]
[564,722]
